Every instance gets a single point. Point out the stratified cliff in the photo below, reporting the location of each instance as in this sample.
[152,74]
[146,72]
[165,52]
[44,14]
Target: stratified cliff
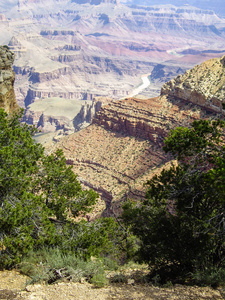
[122,148]
[203,85]
[7,78]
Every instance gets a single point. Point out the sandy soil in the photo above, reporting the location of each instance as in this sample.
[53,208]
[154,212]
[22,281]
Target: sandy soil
[13,286]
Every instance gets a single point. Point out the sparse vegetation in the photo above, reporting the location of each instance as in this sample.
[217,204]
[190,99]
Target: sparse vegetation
[51,265]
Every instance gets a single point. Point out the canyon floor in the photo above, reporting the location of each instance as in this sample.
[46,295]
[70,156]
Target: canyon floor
[13,286]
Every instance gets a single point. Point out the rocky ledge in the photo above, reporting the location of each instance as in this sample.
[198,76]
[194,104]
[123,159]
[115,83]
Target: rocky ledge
[121,149]
[7,78]
[149,119]
[203,85]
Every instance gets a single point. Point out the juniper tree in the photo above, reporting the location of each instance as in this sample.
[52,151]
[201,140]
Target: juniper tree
[181,223]
[38,194]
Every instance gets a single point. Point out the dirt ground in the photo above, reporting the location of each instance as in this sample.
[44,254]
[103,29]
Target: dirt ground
[14,286]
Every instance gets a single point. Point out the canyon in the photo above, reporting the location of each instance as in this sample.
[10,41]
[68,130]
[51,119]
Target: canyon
[115,155]
[83,62]
[122,148]
[67,52]
[106,82]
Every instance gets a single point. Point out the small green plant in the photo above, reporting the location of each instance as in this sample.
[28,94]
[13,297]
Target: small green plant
[99,280]
[210,277]
[110,264]
[51,265]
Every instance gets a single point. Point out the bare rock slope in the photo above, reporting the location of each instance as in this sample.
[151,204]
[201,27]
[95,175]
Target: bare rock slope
[203,85]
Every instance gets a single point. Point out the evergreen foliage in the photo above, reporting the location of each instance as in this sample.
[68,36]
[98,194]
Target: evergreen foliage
[39,198]
[181,222]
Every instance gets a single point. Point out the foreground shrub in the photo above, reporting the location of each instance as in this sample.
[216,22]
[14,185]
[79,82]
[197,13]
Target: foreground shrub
[213,276]
[39,198]
[51,265]
[181,223]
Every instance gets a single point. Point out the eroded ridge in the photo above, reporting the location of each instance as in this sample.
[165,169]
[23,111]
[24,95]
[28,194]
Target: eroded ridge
[122,148]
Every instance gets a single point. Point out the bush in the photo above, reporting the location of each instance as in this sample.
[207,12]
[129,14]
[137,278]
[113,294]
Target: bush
[99,280]
[51,265]
[213,276]
[39,197]
[181,223]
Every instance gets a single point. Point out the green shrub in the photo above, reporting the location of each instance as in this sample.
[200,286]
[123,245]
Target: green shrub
[39,198]
[99,280]
[213,276]
[110,264]
[51,265]
[180,224]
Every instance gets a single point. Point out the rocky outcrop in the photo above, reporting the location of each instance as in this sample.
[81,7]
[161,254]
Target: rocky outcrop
[127,116]
[65,58]
[7,78]
[58,32]
[203,85]
[148,119]
[88,112]
[163,73]
[48,123]
[122,148]
[62,116]
[38,77]
[72,47]
[34,93]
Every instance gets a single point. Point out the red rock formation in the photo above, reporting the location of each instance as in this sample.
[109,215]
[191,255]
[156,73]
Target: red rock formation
[122,148]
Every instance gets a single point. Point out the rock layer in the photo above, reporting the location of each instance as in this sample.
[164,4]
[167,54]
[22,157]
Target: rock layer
[7,78]
[122,148]
[203,85]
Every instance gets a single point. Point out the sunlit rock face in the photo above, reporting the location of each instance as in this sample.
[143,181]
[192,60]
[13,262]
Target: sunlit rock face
[7,78]
[203,85]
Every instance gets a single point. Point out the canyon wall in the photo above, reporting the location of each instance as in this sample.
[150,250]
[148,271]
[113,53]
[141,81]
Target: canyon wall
[122,148]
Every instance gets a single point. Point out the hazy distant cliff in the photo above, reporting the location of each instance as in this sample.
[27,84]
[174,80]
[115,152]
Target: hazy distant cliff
[95,2]
[7,78]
